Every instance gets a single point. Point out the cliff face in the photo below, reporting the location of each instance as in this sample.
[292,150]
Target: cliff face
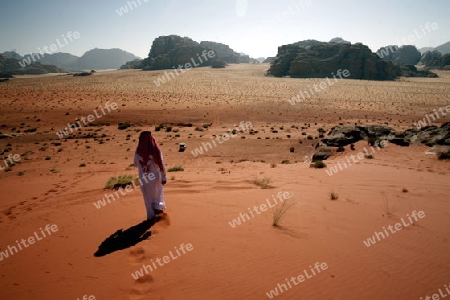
[172,51]
[319,60]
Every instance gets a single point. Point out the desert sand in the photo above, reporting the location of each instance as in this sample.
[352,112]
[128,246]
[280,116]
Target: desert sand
[57,181]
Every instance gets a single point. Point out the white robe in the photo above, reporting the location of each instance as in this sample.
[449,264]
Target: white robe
[152,190]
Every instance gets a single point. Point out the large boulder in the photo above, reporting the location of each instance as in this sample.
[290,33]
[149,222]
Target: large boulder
[173,51]
[313,59]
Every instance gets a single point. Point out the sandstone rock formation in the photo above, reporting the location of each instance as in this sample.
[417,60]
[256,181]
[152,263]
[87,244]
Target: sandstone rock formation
[316,59]
[172,51]
[404,55]
[224,52]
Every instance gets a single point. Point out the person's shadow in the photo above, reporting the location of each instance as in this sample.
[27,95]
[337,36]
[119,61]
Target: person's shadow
[123,239]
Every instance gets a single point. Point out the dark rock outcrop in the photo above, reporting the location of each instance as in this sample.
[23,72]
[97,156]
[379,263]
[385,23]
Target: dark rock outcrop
[435,60]
[173,51]
[134,64]
[411,71]
[313,59]
[224,52]
[341,136]
[404,55]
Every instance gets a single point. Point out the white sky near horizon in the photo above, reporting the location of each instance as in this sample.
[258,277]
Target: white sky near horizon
[255,27]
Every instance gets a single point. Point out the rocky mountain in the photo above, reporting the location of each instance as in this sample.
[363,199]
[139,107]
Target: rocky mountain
[10,66]
[404,55]
[172,51]
[444,48]
[63,60]
[13,54]
[98,59]
[425,49]
[102,59]
[223,51]
[316,59]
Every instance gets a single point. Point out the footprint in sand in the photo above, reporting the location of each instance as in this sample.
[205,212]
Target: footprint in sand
[137,255]
[163,220]
[141,287]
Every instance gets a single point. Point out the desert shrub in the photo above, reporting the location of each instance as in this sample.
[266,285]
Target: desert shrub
[292,149]
[30,130]
[285,162]
[369,156]
[334,196]
[263,183]
[121,181]
[310,137]
[176,169]
[123,126]
[388,207]
[280,210]
[318,164]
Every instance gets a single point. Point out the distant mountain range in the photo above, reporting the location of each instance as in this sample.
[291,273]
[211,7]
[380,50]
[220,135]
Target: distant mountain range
[444,48]
[95,59]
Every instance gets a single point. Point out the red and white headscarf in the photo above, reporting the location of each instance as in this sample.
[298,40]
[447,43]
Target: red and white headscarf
[148,147]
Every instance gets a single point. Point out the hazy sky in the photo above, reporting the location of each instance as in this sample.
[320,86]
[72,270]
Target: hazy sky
[255,27]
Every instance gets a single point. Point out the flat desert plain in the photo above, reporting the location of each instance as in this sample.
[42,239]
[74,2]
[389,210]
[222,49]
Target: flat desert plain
[75,247]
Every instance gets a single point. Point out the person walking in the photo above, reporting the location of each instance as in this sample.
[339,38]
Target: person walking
[149,160]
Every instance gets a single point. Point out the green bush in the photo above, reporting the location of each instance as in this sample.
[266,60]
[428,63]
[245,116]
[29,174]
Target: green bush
[176,169]
[123,126]
[122,181]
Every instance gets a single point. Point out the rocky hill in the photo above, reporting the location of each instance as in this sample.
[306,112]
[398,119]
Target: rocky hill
[316,59]
[63,60]
[404,55]
[223,51]
[10,66]
[172,51]
[102,59]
